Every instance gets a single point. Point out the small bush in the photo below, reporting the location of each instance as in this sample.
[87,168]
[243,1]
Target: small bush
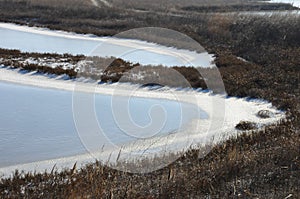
[264,114]
[246,125]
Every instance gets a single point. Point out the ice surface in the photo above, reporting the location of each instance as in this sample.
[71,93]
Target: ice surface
[37,123]
[30,39]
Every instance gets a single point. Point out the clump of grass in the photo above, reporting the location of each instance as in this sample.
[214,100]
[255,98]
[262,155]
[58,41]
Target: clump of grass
[246,125]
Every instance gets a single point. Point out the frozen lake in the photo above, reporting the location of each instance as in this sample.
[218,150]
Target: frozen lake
[37,123]
[30,39]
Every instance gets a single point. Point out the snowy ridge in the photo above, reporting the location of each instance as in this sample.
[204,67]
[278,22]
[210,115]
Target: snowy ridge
[295,3]
[199,132]
[95,3]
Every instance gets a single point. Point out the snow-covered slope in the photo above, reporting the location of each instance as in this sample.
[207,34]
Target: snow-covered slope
[295,3]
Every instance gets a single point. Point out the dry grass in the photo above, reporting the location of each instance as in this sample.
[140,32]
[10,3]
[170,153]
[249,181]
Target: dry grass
[197,5]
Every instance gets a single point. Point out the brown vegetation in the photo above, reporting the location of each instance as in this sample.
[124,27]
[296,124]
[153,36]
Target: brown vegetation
[11,58]
[246,125]
[264,114]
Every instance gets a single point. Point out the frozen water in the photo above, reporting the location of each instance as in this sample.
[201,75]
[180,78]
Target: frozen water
[31,39]
[37,123]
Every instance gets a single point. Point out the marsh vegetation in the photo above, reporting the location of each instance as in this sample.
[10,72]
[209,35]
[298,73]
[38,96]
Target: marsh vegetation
[258,57]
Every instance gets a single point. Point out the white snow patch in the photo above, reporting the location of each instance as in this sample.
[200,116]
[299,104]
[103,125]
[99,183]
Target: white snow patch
[48,62]
[95,3]
[295,3]
[106,3]
[242,59]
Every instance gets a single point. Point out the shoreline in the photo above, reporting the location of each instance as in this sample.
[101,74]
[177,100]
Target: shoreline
[189,56]
[247,111]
